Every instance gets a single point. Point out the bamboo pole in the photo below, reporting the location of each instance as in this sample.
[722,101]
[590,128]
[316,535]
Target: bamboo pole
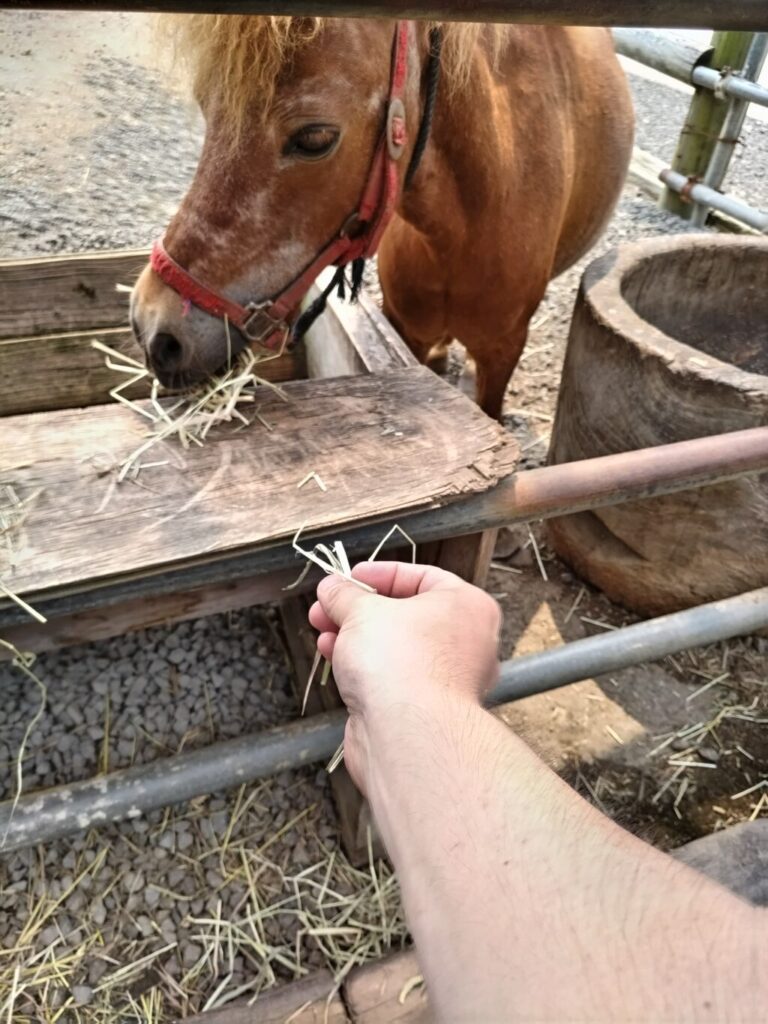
[705,120]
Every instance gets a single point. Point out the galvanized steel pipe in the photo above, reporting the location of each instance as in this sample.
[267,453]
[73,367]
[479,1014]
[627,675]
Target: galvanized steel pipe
[633,645]
[748,15]
[699,193]
[132,792]
[52,814]
[730,85]
[730,133]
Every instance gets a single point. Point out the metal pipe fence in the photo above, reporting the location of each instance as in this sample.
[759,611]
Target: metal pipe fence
[735,86]
[44,816]
[739,88]
[710,199]
[734,122]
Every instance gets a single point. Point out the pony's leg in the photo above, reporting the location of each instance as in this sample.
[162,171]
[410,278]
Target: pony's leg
[495,365]
[438,358]
[432,353]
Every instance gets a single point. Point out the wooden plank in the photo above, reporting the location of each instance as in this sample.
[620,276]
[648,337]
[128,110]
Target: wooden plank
[308,1001]
[69,373]
[386,992]
[373,440]
[353,811]
[101,623]
[330,352]
[353,338]
[58,294]
[374,338]
[469,556]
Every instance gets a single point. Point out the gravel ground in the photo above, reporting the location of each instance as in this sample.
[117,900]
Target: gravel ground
[191,888]
[95,155]
[107,171]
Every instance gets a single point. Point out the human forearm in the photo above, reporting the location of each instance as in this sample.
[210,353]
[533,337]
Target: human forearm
[525,903]
[506,873]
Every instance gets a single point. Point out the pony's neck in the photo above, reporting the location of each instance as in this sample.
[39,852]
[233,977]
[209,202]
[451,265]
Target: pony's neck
[455,172]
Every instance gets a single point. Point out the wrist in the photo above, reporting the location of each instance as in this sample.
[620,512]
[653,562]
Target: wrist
[397,735]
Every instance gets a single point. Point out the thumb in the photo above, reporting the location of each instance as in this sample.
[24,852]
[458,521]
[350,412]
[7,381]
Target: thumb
[339,598]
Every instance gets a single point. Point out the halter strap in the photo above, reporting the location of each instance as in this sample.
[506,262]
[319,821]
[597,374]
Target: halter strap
[266,322]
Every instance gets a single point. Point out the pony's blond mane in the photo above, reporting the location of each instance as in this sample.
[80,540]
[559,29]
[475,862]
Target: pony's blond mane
[243,55]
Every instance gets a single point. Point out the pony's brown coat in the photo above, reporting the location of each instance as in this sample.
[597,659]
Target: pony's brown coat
[529,146]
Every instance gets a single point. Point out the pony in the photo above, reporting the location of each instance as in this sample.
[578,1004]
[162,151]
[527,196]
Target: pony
[477,161]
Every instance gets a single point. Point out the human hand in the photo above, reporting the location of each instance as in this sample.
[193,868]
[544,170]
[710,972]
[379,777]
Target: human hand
[424,639]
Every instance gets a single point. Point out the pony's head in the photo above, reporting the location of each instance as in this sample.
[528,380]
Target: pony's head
[295,109]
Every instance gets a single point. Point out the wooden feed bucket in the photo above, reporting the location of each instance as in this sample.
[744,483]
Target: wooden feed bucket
[669,341]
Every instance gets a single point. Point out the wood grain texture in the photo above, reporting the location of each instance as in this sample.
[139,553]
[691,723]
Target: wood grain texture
[102,623]
[668,343]
[384,444]
[352,338]
[308,1001]
[57,294]
[69,373]
[378,993]
[468,556]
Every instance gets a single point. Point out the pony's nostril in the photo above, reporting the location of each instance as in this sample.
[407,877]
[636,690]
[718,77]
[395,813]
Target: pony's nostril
[165,352]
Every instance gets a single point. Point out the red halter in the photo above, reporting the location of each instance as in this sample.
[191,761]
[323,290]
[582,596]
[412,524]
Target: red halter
[266,322]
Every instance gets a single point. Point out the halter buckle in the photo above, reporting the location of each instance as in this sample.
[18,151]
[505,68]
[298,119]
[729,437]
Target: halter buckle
[259,326]
[397,131]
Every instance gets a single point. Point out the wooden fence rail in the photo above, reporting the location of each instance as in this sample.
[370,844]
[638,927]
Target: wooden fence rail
[747,15]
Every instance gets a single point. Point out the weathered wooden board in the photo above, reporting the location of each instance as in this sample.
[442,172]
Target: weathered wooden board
[102,623]
[387,992]
[384,444]
[63,371]
[82,305]
[309,1001]
[57,294]
[352,338]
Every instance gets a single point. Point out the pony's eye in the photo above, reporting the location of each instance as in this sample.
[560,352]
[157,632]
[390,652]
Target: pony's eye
[313,142]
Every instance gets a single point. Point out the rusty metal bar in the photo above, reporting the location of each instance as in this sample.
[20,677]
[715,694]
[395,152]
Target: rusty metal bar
[521,497]
[628,476]
[749,15]
[41,817]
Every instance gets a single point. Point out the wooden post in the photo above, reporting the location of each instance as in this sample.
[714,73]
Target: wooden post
[705,119]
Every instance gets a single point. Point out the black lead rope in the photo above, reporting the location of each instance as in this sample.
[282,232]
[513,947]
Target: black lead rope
[316,309]
[434,66]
